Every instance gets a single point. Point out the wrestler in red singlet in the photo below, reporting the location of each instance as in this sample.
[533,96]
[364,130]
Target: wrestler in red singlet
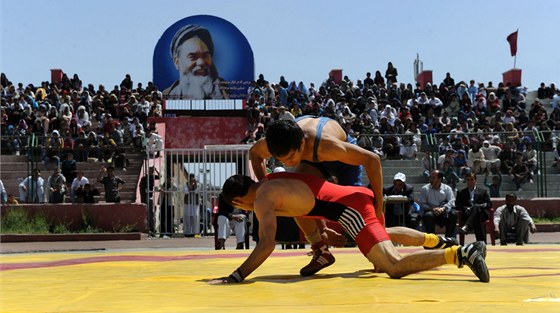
[350,206]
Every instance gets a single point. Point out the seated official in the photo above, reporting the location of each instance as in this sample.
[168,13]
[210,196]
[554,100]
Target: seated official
[473,203]
[230,219]
[438,203]
[395,211]
[512,222]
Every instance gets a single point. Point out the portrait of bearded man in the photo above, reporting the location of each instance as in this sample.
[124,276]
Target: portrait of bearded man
[192,50]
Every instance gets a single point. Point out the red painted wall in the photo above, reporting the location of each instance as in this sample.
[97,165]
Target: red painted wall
[195,132]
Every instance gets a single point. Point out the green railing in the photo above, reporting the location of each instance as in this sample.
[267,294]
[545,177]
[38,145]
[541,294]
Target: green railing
[542,189]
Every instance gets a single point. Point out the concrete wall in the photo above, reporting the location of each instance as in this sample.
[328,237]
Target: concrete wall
[75,217]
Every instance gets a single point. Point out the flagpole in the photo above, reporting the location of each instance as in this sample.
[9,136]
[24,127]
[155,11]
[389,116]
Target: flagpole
[515,56]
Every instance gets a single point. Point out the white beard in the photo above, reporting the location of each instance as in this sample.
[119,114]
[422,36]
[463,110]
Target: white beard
[195,87]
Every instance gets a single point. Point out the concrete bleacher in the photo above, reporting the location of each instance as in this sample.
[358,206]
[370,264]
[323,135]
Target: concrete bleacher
[413,171]
[14,168]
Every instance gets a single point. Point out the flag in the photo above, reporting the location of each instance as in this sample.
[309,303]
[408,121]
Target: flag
[512,39]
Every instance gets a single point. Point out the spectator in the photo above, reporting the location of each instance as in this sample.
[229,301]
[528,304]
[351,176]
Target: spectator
[492,155]
[191,210]
[138,137]
[444,146]
[378,80]
[461,167]
[438,203]
[77,187]
[512,222]
[69,168]
[520,173]
[124,127]
[92,146]
[11,199]
[147,189]
[493,104]
[154,144]
[476,159]
[408,210]
[428,163]
[507,157]
[82,116]
[108,147]
[56,187]
[230,218]
[449,175]
[31,189]
[473,203]
[448,80]
[556,153]
[112,184]
[391,74]
[81,150]
[529,156]
[3,194]
[53,147]
[494,187]
[408,149]
[89,193]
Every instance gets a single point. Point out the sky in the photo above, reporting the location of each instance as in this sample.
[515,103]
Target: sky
[103,40]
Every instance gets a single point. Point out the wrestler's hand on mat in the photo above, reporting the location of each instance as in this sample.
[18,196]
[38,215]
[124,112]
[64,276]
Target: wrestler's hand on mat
[222,281]
[333,238]
[234,278]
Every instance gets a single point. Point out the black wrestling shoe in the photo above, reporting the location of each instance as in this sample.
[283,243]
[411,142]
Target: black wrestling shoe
[473,256]
[322,258]
[445,242]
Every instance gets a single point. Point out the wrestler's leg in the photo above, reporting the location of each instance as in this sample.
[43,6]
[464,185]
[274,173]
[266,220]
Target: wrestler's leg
[387,259]
[411,237]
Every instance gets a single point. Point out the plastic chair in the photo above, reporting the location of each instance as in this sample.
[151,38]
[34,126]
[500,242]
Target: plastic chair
[488,227]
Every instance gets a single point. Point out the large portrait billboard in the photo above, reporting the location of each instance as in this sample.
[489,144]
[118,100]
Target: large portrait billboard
[203,57]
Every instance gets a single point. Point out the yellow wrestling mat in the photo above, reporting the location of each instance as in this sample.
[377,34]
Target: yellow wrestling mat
[523,279]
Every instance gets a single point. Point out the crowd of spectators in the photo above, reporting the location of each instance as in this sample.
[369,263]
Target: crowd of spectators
[480,127]
[73,123]
[69,117]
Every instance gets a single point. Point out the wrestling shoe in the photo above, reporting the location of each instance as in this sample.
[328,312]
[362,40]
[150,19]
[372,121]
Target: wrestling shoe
[445,242]
[473,256]
[322,258]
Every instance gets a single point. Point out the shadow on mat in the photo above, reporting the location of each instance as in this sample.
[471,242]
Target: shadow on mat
[360,274]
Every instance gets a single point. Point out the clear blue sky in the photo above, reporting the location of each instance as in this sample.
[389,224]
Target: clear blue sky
[102,40]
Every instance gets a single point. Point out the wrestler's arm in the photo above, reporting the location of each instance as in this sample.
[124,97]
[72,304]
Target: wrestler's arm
[257,154]
[336,150]
[264,209]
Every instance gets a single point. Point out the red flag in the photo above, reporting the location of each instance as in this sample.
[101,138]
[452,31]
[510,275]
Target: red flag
[512,39]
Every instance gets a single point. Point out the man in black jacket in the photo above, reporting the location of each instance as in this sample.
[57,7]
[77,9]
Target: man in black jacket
[473,203]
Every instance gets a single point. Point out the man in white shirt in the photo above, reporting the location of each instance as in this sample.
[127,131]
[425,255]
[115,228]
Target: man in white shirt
[476,159]
[436,104]
[512,220]
[438,203]
[491,153]
[32,189]
[78,185]
[283,114]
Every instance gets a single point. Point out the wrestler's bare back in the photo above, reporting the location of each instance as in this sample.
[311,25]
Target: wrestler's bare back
[332,133]
[287,197]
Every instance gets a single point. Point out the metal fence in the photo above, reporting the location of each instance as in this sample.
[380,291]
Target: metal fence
[181,186]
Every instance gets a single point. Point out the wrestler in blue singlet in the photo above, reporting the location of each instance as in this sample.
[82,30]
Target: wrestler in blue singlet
[347,175]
